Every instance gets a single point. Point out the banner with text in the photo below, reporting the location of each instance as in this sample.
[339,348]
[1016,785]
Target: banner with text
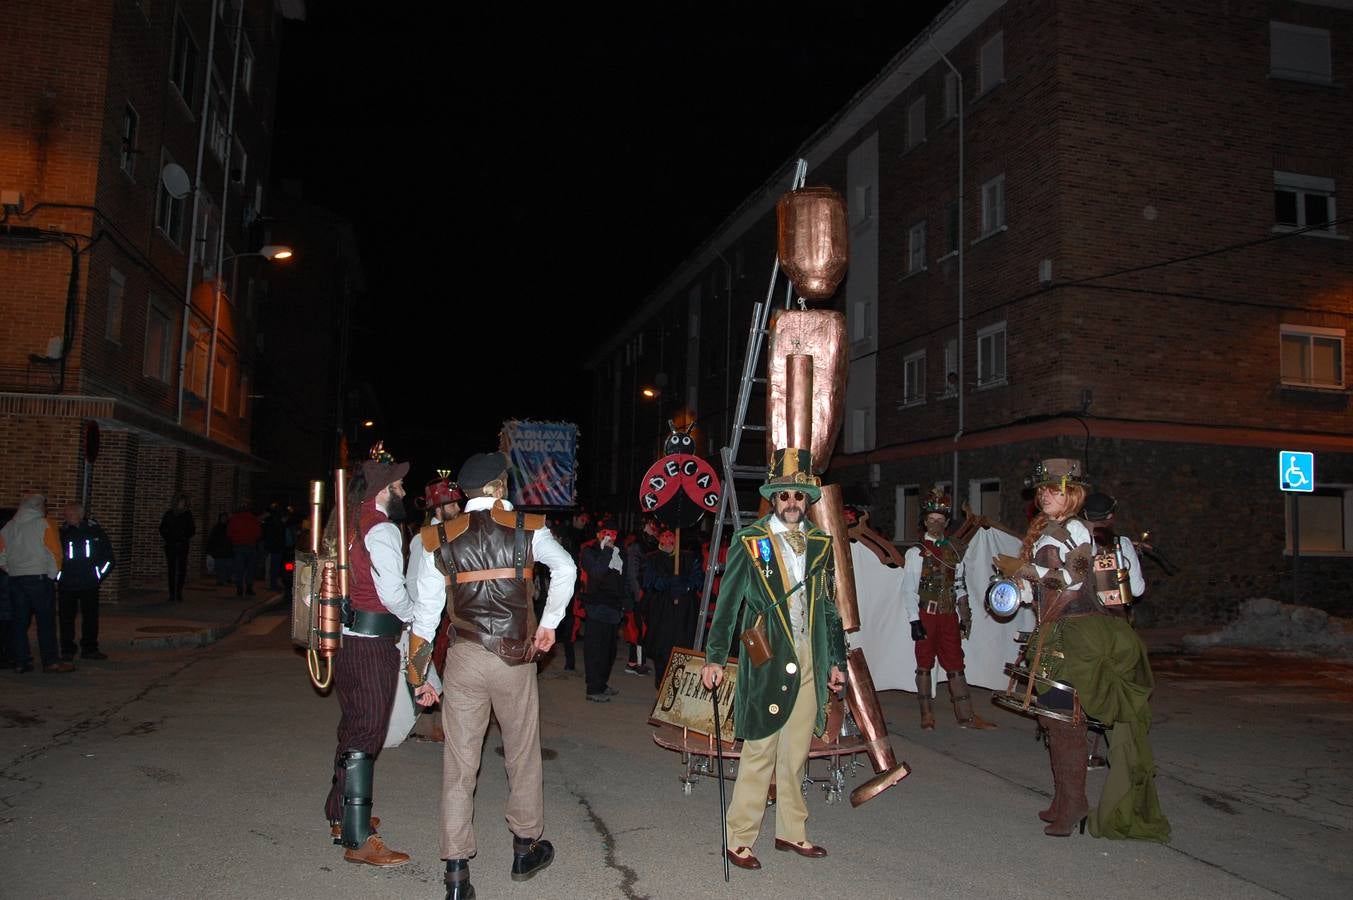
[544,459]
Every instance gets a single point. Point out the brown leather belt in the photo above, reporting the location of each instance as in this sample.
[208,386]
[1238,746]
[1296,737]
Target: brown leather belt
[509,650]
[491,575]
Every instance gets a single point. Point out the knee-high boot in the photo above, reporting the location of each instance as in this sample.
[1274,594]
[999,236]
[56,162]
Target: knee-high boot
[1066,746]
[923,695]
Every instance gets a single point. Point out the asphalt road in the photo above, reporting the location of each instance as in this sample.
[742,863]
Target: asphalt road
[201,773]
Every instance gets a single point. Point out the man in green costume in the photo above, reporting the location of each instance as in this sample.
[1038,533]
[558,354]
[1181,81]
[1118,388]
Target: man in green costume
[780,571]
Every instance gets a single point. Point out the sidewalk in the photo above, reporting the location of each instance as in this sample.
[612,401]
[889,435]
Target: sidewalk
[143,619]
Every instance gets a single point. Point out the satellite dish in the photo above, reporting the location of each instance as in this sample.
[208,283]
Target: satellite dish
[175,181]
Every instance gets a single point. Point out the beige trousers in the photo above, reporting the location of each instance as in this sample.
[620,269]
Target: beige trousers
[785,756]
[475,682]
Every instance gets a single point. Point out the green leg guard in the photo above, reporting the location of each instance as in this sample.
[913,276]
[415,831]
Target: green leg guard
[358,768]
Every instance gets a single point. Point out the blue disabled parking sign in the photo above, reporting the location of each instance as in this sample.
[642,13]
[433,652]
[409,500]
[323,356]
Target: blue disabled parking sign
[1296,471]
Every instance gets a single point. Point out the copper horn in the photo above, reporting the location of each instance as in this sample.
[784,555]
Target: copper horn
[860,696]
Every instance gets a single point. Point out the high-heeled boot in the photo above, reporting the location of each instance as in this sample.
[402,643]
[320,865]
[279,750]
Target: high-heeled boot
[1066,742]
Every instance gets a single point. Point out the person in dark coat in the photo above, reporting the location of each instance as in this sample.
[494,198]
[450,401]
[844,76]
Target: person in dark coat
[244,533]
[88,558]
[177,529]
[221,551]
[604,602]
[672,589]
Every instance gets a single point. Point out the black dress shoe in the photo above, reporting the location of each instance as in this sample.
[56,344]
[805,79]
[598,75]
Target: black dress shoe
[529,857]
[93,654]
[23,667]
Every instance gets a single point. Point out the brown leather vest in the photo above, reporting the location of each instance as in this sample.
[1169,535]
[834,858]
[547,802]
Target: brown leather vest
[1058,602]
[499,607]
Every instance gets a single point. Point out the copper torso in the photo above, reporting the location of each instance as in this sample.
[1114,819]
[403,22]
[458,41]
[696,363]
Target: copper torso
[496,606]
[821,334]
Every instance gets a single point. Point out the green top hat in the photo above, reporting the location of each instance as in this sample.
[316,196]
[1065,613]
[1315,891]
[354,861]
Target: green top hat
[792,469]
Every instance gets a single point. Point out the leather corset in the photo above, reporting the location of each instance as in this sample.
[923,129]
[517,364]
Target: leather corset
[1065,602]
[499,607]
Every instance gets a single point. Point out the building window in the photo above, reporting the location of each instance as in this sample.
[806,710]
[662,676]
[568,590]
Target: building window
[169,210]
[157,342]
[1303,201]
[196,375]
[221,385]
[117,290]
[220,130]
[239,162]
[913,379]
[1326,515]
[859,430]
[951,368]
[950,95]
[916,248]
[130,124]
[183,61]
[863,208]
[951,227]
[916,123]
[861,321]
[991,355]
[209,235]
[1312,357]
[1299,53]
[906,513]
[992,63]
[984,496]
[993,206]
[246,69]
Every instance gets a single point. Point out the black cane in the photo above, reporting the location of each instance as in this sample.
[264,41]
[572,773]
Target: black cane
[718,754]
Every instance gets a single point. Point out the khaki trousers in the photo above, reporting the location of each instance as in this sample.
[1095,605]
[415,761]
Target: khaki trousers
[475,682]
[784,755]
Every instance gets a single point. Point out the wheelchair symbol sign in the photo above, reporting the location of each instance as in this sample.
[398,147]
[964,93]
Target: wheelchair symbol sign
[1296,471]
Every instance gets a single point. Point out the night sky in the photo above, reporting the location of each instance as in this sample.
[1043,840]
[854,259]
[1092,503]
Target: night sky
[520,182]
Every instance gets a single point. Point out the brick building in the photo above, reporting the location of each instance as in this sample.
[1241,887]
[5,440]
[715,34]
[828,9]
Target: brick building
[108,322]
[1142,266]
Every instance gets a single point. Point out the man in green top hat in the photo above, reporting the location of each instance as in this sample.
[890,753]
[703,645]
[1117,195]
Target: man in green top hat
[780,570]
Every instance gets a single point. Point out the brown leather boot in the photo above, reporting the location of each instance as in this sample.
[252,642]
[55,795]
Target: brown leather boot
[961,696]
[1067,745]
[1050,814]
[373,852]
[923,695]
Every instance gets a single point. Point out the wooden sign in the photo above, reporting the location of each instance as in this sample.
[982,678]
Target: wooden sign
[683,701]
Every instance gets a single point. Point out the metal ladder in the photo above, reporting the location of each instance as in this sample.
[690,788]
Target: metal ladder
[733,471]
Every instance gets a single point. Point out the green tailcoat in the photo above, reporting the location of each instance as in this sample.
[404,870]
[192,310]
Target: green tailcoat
[766,694]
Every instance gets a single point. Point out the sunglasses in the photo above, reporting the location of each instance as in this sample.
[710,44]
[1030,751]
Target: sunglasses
[786,496]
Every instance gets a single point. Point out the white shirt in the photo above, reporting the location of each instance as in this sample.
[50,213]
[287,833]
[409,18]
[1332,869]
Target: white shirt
[1079,533]
[385,545]
[913,562]
[1136,580]
[430,584]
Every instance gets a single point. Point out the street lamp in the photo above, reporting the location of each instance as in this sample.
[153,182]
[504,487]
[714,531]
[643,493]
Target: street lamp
[270,252]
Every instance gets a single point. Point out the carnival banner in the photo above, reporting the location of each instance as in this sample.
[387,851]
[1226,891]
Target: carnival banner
[543,457]
[683,701]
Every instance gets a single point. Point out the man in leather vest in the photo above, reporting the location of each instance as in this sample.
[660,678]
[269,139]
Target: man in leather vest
[481,564]
[367,666]
[935,602]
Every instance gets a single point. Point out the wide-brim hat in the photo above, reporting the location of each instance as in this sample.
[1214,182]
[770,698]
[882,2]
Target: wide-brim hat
[792,469]
[480,469]
[1098,507]
[380,475]
[1058,473]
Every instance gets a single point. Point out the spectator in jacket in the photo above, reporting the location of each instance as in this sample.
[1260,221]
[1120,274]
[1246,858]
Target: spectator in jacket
[244,533]
[87,558]
[177,529]
[604,602]
[221,551]
[30,553]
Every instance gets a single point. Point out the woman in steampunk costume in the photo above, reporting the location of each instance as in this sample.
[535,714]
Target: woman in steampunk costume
[1099,660]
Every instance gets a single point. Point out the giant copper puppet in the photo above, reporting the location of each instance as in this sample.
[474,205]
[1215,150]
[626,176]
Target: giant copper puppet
[805,398]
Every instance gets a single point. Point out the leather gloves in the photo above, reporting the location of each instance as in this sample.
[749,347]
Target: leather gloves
[917,630]
[964,617]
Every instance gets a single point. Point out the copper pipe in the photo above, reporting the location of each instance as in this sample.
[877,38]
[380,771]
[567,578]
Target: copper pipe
[330,619]
[829,514]
[316,512]
[799,401]
[864,706]
[341,503]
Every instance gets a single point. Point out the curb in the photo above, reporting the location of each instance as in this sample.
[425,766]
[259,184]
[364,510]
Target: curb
[207,635]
